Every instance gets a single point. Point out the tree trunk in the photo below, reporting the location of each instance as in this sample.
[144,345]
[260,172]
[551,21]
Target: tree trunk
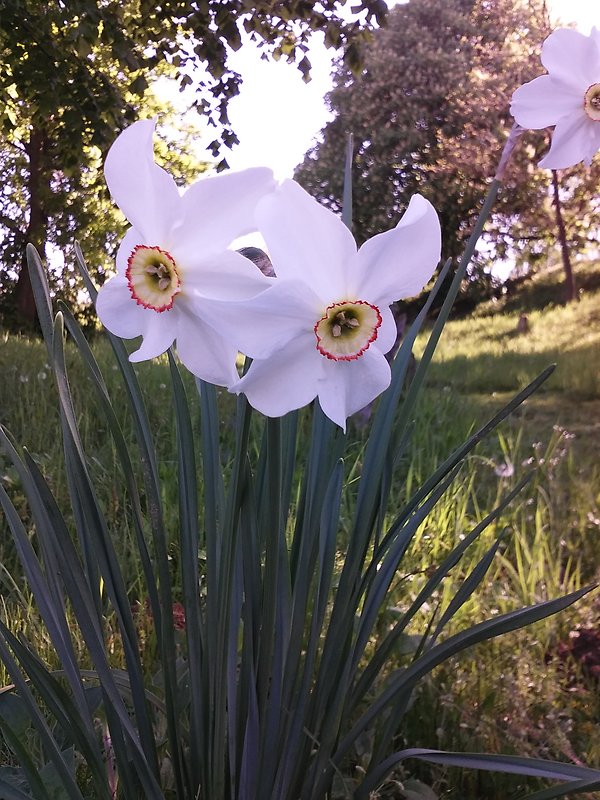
[570,288]
[36,227]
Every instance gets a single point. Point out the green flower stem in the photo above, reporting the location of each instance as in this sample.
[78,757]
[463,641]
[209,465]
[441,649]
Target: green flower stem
[218,638]
[275,604]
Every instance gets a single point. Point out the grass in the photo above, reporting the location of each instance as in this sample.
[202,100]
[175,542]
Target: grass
[512,695]
[506,695]
[486,353]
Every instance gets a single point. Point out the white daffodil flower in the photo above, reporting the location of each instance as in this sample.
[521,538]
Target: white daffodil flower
[567,97]
[176,251]
[323,328]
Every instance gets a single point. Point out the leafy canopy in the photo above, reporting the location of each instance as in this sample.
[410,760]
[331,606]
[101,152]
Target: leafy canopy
[429,113]
[73,74]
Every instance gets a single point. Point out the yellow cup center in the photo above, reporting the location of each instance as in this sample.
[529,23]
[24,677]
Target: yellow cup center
[591,102]
[152,277]
[347,329]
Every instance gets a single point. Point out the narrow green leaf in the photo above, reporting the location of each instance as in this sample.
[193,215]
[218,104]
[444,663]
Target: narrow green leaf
[98,549]
[48,595]
[41,294]
[218,639]
[380,575]
[517,765]
[212,471]
[295,745]
[466,589]
[248,779]
[571,788]
[483,631]
[275,629]
[10,792]
[68,715]
[142,428]
[78,590]
[13,712]
[23,756]
[189,546]
[162,613]
[251,620]
[417,382]
[366,680]
[51,779]
[383,425]
[289,440]
[89,284]
[123,453]
[477,437]
[375,455]
[38,720]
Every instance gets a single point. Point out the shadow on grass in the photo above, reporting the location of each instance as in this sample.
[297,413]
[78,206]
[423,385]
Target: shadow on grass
[542,290]
[577,373]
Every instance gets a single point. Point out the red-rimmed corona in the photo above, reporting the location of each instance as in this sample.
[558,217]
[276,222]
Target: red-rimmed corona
[152,277]
[347,329]
[591,102]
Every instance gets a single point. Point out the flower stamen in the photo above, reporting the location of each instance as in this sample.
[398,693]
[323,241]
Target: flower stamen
[347,329]
[591,102]
[152,277]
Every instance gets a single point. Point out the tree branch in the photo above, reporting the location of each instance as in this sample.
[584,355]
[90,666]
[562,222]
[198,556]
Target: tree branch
[11,225]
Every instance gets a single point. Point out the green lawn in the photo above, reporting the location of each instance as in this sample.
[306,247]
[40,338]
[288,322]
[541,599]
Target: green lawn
[507,696]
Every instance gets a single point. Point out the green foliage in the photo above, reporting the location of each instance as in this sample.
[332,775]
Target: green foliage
[277,678]
[447,713]
[73,75]
[80,65]
[488,349]
[66,92]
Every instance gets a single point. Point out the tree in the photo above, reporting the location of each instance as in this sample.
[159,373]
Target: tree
[73,74]
[430,114]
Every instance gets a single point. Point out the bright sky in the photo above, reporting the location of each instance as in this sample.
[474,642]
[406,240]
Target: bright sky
[277,117]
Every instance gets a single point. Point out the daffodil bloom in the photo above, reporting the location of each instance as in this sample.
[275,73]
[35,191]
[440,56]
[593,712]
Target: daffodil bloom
[567,97]
[323,328]
[177,251]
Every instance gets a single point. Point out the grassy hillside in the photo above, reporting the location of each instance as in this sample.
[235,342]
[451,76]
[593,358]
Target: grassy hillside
[486,352]
[486,358]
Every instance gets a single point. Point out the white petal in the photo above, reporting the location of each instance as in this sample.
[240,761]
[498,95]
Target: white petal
[572,57]
[119,312]
[573,141]
[593,145]
[144,192]
[264,324]
[351,385]
[227,275]
[289,379]
[131,239]
[399,263]
[306,241]
[218,209]
[159,335]
[388,331]
[206,354]
[543,101]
